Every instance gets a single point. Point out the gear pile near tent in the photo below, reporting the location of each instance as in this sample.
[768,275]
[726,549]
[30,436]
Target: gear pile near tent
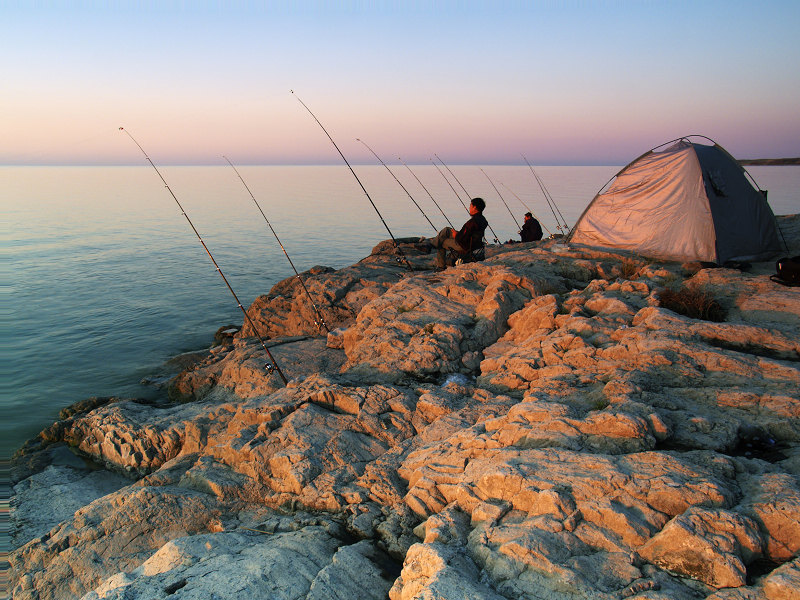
[687,202]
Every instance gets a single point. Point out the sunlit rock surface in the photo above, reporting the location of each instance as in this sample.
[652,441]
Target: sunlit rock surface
[533,426]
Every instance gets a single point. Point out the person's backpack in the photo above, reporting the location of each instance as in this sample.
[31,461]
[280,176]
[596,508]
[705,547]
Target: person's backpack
[787,271]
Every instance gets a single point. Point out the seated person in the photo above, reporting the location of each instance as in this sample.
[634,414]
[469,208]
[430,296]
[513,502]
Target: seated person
[531,230]
[468,239]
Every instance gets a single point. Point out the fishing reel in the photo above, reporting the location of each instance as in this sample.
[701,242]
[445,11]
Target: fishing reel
[269,368]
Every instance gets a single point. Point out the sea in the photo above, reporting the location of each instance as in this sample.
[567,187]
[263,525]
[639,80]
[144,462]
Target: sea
[104,278]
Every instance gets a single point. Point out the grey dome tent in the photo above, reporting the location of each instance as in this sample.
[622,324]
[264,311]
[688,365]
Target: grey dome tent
[682,201]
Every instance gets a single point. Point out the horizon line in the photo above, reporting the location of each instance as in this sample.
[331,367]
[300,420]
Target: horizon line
[781,161]
[297,164]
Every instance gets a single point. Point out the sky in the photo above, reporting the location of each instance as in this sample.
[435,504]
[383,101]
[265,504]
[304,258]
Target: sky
[562,83]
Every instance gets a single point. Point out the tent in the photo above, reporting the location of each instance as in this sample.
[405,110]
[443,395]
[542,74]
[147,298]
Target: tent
[682,201]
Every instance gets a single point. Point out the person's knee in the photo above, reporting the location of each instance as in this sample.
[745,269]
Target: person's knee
[451,244]
[441,237]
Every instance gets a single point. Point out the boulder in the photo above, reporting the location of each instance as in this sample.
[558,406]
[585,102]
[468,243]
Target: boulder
[714,546]
[439,571]
[773,502]
[784,582]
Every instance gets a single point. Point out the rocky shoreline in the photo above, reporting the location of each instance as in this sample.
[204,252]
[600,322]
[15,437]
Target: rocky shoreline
[537,425]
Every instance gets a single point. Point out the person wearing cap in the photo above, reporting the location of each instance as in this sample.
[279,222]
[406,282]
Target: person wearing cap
[531,230]
[462,242]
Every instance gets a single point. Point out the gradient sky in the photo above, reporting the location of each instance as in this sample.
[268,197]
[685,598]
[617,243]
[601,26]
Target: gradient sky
[574,82]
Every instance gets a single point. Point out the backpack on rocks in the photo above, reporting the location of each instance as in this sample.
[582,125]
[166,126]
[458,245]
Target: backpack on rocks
[787,271]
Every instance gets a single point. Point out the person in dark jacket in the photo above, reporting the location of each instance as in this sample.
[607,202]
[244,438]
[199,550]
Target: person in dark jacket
[531,230]
[469,238]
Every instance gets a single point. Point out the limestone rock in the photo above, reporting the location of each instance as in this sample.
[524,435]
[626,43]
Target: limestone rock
[773,501]
[435,570]
[713,546]
[531,426]
[113,533]
[241,369]
[338,295]
[356,571]
[53,495]
[784,582]
[433,324]
[308,563]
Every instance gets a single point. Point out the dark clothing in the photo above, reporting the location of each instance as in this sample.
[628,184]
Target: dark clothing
[469,238]
[471,235]
[531,231]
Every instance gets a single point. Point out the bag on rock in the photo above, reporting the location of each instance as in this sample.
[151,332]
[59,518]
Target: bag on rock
[787,271]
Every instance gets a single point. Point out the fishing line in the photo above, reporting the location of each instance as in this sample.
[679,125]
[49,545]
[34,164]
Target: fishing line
[496,241]
[397,247]
[319,321]
[398,181]
[551,203]
[269,366]
[426,191]
[503,199]
[528,207]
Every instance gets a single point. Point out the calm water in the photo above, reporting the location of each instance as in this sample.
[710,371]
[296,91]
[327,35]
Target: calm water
[103,279]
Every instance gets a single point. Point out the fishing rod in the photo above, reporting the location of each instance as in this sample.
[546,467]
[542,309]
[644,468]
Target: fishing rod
[398,181]
[396,246]
[519,227]
[454,175]
[319,320]
[450,184]
[426,191]
[528,207]
[544,192]
[551,203]
[268,366]
[496,241]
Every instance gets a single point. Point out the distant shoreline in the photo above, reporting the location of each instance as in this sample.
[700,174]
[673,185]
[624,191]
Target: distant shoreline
[771,162]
